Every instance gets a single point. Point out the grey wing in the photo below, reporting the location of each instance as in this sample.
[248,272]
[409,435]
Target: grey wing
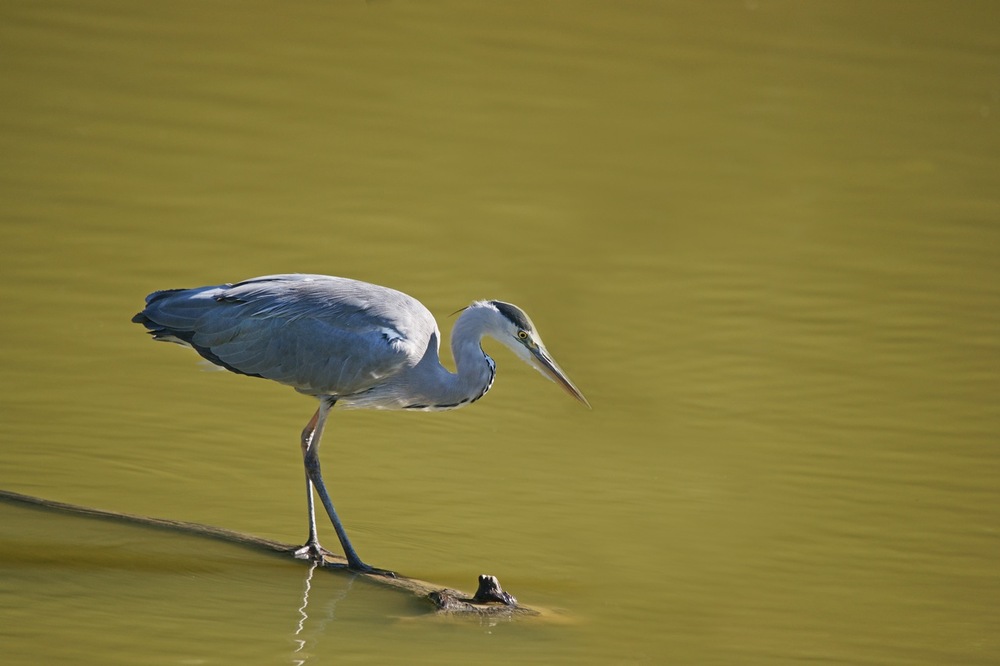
[318,334]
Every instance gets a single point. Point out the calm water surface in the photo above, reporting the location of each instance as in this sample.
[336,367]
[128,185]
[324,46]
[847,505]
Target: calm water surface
[762,237]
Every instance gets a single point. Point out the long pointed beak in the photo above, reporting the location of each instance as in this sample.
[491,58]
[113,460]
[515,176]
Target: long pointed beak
[551,369]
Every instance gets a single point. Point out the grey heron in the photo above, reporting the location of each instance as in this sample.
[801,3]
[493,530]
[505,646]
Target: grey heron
[347,343]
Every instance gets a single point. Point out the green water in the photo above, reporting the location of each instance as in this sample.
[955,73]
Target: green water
[761,237]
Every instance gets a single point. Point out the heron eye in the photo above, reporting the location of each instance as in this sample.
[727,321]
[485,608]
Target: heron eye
[522,335]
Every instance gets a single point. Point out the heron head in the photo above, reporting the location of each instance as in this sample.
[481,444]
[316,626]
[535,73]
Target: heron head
[518,333]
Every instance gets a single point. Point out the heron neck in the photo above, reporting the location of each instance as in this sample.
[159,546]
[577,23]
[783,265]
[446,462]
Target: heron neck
[434,388]
[474,369]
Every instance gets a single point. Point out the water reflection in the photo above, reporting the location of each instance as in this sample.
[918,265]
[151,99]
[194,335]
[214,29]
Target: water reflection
[300,638]
[303,615]
[92,567]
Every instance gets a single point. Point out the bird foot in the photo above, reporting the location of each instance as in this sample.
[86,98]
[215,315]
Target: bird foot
[361,567]
[312,551]
[317,553]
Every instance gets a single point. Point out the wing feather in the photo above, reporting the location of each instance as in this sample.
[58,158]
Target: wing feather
[319,334]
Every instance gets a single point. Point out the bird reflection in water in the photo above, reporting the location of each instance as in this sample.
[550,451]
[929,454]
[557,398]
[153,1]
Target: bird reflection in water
[299,654]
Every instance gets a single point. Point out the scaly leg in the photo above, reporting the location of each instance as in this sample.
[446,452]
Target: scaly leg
[314,479]
[311,550]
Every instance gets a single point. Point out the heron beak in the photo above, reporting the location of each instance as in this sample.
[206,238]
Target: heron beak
[551,369]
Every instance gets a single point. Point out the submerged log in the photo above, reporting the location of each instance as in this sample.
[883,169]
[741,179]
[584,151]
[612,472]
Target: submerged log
[490,600]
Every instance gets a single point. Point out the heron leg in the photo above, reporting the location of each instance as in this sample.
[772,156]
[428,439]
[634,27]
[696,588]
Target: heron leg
[311,550]
[314,479]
